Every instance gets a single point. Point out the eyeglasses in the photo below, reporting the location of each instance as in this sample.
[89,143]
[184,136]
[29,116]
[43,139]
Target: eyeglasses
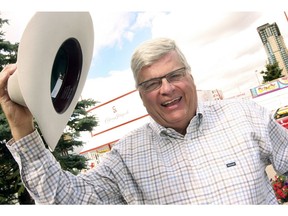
[156,83]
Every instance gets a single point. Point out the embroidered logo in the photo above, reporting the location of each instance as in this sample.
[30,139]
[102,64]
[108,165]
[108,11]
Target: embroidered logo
[230,164]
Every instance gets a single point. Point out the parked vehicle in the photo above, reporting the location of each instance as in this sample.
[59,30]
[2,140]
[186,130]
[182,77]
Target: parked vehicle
[281,116]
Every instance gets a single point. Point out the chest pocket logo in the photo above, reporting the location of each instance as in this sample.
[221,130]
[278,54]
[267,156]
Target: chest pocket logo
[231,164]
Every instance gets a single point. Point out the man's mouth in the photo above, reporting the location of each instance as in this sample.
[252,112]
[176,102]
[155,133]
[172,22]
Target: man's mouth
[171,102]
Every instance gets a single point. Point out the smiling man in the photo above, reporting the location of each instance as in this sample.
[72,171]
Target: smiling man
[167,88]
[214,152]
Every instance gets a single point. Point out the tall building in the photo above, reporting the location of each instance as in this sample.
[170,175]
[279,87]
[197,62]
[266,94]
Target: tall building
[274,45]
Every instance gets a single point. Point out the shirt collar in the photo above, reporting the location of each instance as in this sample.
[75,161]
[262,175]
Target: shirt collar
[195,125]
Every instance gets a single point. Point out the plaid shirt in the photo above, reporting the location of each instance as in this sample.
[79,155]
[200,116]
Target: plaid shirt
[221,160]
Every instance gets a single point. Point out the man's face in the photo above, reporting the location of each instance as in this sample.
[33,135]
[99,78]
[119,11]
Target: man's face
[174,104]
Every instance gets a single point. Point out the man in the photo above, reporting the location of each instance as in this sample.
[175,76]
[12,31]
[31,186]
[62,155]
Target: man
[190,153]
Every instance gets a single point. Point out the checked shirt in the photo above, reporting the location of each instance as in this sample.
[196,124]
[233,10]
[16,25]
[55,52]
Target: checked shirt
[221,160]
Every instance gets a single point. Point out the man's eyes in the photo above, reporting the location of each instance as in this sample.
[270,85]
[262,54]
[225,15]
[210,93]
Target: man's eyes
[151,83]
[175,76]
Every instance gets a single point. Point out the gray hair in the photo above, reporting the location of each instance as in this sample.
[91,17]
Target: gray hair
[151,51]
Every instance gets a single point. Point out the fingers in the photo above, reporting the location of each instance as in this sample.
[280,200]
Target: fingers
[7,71]
[19,117]
[10,68]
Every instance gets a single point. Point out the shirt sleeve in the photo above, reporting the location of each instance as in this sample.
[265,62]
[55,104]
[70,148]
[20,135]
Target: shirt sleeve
[278,136]
[49,184]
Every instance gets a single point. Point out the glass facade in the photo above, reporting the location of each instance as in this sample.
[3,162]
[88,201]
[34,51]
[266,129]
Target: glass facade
[274,45]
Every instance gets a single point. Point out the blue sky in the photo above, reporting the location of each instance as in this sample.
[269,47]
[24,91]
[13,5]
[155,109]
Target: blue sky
[114,57]
[221,45]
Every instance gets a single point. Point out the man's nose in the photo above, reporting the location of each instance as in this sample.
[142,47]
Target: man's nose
[166,87]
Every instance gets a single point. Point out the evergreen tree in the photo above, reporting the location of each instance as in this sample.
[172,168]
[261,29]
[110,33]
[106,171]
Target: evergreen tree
[272,72]
[8,51]
[11,186]
[12,190]
[80,121]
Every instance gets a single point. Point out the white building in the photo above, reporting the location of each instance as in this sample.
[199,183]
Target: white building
[120,115]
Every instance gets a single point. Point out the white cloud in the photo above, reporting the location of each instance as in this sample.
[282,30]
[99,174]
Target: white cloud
[17,23]
[223,48]
[104,89]
[109,28]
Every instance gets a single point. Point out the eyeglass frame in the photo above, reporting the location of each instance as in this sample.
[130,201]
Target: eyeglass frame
[166,76]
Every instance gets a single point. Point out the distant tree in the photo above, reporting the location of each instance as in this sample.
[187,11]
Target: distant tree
[272,72]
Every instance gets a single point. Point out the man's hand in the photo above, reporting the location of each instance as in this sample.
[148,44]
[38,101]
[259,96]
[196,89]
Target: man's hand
[19,117]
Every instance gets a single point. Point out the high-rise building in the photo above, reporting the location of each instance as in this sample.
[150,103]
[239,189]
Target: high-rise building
[274,45]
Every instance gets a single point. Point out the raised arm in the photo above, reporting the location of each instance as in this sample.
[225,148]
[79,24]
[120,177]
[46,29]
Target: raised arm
[19,117]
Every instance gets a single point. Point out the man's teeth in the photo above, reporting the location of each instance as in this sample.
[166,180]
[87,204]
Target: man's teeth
[170,102]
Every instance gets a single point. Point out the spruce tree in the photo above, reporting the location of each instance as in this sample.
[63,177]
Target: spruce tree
[12,190]
[11,186]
